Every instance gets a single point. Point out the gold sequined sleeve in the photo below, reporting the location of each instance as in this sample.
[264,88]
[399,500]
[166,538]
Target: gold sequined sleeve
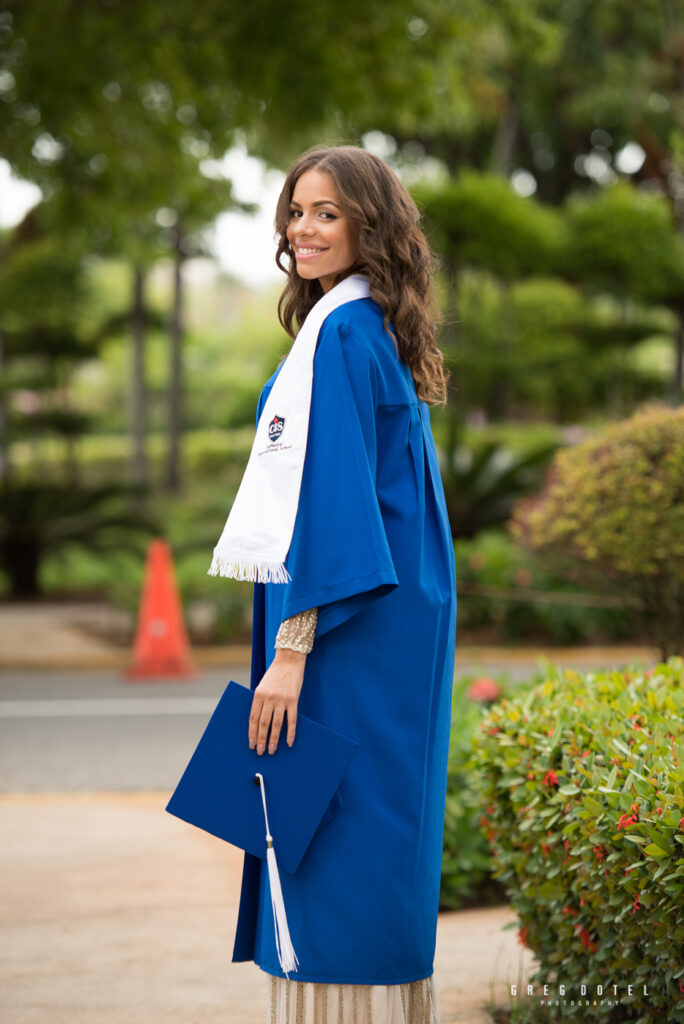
[297,633]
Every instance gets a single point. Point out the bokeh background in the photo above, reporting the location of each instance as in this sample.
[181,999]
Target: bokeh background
[143,146]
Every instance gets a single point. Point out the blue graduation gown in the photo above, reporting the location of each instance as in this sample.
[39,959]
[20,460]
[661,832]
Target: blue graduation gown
[372,549]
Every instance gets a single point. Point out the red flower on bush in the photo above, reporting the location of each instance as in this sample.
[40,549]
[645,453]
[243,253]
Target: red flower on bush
[599,851]
[629,819]
[635,902]
[585,938]
[493,731]
[681,822]
[522,935]
[551,779]
[484,689]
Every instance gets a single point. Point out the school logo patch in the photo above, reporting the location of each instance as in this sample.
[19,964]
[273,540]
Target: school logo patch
[275,428]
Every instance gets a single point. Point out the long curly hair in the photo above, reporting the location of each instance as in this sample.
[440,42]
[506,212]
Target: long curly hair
[391,250]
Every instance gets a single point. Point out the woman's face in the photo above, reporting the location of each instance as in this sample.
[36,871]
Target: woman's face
[319,231]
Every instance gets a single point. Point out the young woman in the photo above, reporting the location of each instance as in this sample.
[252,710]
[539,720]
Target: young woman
[355,624]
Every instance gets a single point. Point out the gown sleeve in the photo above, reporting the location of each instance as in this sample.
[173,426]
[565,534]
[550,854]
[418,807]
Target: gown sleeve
[339,558]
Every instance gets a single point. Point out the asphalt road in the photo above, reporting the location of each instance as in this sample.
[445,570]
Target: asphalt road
[90,730]
[86,730]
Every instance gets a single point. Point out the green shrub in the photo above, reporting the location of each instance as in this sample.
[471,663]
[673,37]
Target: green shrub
[612,512]
[466,862]
[498,566]
[583,783]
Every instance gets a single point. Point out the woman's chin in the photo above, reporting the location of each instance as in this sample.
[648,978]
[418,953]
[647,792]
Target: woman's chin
[308,272]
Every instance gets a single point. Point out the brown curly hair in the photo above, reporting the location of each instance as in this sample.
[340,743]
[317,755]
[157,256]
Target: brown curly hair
[391,250]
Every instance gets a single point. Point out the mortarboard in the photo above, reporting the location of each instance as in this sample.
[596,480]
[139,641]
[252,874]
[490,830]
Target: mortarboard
[255,801]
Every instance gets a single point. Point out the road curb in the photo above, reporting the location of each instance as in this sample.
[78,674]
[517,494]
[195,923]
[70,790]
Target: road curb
[467,657]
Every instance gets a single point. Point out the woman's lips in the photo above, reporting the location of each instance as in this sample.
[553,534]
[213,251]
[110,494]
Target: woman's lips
[307,253]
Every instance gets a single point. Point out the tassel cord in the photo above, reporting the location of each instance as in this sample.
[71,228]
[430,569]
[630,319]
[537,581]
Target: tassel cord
[286,954]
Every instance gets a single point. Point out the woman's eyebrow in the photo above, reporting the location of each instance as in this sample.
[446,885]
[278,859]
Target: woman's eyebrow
[319,202]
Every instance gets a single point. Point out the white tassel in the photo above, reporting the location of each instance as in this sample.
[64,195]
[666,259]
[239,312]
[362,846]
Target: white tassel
[241,568]
[286,954]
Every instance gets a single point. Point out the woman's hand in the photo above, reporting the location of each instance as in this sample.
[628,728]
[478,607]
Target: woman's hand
[276,694]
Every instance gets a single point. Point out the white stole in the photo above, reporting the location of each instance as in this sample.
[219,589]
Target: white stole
[258,531]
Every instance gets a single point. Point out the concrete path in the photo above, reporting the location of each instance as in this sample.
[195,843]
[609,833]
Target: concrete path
[114,911]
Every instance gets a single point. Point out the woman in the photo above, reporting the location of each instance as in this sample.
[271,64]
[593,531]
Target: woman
[356,627]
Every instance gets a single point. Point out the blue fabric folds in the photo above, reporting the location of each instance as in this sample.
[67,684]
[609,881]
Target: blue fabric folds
[372,550]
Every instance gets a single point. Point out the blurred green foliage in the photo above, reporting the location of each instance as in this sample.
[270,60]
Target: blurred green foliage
[506,595]
[561,278]
[612,512]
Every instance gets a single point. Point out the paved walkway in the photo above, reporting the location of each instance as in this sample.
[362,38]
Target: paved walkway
[115,911]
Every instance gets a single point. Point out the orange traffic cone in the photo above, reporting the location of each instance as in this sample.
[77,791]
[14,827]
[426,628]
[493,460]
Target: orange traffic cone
[161,643]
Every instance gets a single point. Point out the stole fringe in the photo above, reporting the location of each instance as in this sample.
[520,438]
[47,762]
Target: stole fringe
[240,567]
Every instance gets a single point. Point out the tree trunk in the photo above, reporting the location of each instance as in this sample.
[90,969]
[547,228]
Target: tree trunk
[678,376]
[501,391]
[21,558]
[505,138]
[4,447]
[173,469]
[139,470]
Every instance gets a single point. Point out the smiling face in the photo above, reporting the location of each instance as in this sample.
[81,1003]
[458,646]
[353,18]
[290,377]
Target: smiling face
[318,230]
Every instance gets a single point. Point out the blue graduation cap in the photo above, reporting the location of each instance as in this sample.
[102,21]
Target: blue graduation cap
[262,803]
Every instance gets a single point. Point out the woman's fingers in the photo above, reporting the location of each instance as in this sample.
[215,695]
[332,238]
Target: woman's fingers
[254,716]
[291,723]
[276,726]
[265,715]
[263,726]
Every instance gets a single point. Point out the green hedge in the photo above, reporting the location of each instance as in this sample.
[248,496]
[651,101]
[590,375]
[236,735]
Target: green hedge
[466,861]
[582,779]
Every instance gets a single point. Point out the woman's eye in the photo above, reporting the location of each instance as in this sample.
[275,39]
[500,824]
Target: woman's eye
[294,214]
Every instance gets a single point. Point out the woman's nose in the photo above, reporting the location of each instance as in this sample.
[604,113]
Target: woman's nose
[304,226]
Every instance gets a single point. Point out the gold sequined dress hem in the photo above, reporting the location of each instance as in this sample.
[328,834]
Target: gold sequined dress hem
[306,1002]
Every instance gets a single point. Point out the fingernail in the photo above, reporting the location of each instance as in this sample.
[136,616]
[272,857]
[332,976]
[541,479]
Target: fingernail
[271,750]
[260,748]
[251,744]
